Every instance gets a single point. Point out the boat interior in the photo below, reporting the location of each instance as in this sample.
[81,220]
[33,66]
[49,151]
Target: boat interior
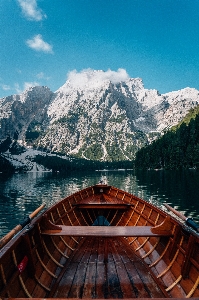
[101,243]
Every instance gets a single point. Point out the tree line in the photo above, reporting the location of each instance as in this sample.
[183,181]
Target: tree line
[176,149]
[58,164]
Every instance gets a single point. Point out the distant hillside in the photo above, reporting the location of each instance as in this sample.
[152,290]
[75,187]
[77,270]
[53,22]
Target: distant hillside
[191,115]
[59,164]
[93,117]
[176,149]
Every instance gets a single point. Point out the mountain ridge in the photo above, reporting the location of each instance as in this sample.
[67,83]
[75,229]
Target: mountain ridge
[178,148]
[92,117]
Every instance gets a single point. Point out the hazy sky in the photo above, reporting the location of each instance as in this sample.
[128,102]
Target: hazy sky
[41,41]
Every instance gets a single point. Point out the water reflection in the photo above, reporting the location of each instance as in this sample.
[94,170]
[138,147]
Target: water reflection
[177,188]
[21,194]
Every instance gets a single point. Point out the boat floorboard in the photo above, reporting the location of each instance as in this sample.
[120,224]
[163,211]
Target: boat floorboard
[105,268]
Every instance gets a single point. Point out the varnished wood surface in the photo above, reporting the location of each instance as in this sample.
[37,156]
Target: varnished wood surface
[102,265]
[99,299]
[104,231]
[119,206]
[90,274]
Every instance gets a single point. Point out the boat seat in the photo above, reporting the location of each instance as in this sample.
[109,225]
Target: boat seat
[164,229]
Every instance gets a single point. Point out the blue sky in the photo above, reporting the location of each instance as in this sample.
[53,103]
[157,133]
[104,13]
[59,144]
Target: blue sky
[41,41]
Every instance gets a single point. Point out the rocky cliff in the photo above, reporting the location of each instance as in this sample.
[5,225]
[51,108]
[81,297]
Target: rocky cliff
[94,118]
[18,112]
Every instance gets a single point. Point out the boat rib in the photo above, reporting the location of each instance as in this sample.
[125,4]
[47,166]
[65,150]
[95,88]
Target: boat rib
[99,243]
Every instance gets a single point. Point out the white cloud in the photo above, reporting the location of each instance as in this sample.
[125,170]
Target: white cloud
[89,77]
[41,75]
[26,85]
[31,10]
[17,88]
[5,87]
[37,43]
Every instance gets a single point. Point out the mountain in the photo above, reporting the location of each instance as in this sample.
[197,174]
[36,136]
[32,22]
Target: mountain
[18,112]
[94,117]
[178,148]
[192,114]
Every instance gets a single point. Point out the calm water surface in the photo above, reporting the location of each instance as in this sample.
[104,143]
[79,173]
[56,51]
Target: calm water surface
[21,194]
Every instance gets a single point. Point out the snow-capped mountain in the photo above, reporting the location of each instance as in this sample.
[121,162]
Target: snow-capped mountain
[17,112]
[94,115]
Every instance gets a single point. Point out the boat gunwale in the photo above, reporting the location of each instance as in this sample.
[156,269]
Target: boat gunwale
[50,209]
[37,221]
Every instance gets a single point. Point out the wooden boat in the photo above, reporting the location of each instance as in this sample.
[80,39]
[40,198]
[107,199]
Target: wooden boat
[101,242]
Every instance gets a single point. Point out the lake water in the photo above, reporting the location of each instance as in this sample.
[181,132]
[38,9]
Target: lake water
[21,194]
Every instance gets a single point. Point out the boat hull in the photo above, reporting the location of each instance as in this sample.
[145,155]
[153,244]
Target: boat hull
[101,242]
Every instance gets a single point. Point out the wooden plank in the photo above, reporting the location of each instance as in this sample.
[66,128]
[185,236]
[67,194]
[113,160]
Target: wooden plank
[101,298]
[113,281]
[78,255]
[102,206]
[63,282]
[67,281]
[77,287]
[71,281]
[89,290]
[101,282]
[125,284]
[117,277]
[154,289]
[104,231]
[136,283]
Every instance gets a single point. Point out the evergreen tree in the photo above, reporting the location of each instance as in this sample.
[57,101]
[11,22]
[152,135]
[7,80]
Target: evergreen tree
[176,149]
